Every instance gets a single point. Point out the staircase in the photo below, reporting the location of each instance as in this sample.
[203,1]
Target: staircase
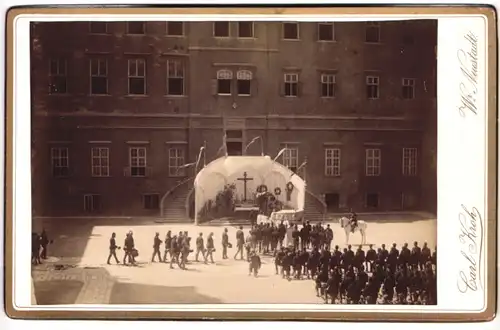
[314,208]
[173,204]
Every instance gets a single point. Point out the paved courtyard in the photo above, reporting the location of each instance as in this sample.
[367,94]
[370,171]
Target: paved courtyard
[81,248]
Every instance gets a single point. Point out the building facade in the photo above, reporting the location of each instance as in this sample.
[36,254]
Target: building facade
[119,107]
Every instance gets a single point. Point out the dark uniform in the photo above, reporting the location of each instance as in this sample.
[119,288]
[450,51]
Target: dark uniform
[278,260]
[254,264]
[174,251]
[210,248]
[415,256]
[371,256]
[328,237]
[200,247]
[359,258]
[35,249]
[225,244]
[168,243]
[240,241]
[156,247]
[112,249]
[44,242]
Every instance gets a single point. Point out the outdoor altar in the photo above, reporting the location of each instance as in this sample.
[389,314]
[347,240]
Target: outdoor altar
[234,186]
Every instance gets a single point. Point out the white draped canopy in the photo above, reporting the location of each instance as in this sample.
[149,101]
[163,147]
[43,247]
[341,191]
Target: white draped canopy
[259,170]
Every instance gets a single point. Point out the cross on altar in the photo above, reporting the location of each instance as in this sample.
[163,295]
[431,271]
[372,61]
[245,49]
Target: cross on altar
[245,178]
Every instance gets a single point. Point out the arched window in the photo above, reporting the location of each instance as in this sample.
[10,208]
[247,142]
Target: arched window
[224,78]
[244,75]
[224,74]
[244,83]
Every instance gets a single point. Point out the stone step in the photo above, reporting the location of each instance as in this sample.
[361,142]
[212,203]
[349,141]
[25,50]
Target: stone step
[174,220]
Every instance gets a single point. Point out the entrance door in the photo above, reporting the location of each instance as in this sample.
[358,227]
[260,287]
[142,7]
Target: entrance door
[234,142]
[332,201]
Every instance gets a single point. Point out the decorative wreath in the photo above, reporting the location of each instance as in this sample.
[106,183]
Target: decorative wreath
[262,188]
[289,186]
[277,191]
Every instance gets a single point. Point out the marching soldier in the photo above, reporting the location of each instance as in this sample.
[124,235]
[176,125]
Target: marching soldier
[168,244]
[156,247]
[254,264]
[200,247]
[112,249]
[210,248]
[278,260]
[225,243]
[128,248]
[174,251]
[240,241]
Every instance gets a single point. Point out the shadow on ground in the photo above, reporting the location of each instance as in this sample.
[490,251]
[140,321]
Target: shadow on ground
[57,292]
[130,293]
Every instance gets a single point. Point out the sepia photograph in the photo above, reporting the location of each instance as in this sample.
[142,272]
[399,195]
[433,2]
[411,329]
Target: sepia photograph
[234,162]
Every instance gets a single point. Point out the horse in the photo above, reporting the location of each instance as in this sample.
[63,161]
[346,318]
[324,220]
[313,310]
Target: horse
[361,227]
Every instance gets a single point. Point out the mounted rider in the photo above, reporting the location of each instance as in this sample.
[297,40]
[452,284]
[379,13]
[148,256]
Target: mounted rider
[353,217]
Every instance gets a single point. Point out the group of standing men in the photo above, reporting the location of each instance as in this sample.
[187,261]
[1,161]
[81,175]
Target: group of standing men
[403,277]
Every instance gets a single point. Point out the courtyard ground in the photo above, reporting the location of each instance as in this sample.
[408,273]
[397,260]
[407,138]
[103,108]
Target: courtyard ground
[80,249]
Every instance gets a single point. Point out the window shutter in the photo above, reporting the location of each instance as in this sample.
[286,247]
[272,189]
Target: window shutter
[213,86]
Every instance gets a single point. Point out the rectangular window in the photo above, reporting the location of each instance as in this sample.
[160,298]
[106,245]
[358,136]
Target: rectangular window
[372,32]
[291,158]
[58,76]
[60,161]
[224,79]
[408,88]
[410,161]
[98,27]
[291,31]
[100,162]
[373,162]
[291,81]
[137,77]
[372,200]
[91,202]
[328,85]
[175,77]
[136,27]
[244,82]
[98,76]
[151,201]
[332,162]
[372,87]
[175,29]
[137,161]
[326,32]
[245,30]
[175,161]
[221,29]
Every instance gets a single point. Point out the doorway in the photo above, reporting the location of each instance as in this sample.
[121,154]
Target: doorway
[234,148]
[332,201]
[372,200]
